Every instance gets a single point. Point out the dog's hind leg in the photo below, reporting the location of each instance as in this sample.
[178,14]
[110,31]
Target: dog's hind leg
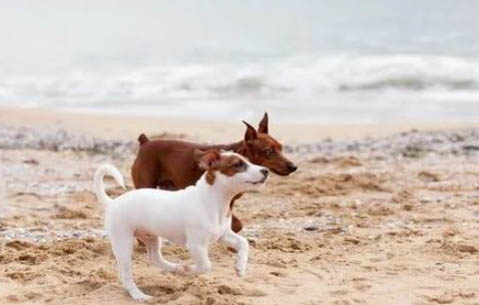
[122,245]
[236,224]
[153,246]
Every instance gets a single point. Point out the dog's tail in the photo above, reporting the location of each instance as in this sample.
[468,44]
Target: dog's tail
[143,139]
[102,171]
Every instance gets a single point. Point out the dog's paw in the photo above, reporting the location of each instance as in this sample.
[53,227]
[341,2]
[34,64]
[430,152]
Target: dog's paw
[240,269]
[140,296]
[183,270]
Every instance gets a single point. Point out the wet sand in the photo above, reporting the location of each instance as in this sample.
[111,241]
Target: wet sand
[391,219]
[129,127]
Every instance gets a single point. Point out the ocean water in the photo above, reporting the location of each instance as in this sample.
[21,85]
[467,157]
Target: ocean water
[302,61]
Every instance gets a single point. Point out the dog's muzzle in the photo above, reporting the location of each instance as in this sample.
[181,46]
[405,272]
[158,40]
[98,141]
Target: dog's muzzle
[265,173]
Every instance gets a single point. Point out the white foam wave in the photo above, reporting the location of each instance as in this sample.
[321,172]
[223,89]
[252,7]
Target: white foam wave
[299,77]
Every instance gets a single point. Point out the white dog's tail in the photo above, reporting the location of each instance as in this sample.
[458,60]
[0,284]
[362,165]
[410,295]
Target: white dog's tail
[106,169]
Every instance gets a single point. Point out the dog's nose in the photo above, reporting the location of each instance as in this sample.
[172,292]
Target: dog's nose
[292,167]
[265,172]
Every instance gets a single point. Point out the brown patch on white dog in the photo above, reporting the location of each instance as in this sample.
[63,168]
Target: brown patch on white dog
[212,161]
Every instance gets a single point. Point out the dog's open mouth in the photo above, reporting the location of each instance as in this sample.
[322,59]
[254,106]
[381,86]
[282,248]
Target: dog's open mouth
[277,172]
[258,182]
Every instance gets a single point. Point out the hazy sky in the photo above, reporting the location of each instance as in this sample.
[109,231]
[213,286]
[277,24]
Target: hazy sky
[75,30]
[39,35]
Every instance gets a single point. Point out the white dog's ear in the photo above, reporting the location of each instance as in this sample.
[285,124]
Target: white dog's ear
[206,159]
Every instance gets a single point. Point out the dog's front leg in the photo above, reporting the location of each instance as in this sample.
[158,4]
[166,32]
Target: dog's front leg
[198,248]
[240,244]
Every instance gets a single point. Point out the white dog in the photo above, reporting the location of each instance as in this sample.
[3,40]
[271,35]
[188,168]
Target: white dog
[192,217]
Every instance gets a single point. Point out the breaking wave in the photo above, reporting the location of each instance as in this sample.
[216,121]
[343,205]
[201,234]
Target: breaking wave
[299,77]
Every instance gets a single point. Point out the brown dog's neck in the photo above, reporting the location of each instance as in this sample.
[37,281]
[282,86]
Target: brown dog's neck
[234,147]
[240,148]
[237,147]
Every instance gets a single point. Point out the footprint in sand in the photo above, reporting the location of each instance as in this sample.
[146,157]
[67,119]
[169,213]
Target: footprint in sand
[224,289]
[338,292]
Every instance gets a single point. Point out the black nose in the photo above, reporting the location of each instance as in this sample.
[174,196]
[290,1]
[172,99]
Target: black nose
[265,172]
[292,167]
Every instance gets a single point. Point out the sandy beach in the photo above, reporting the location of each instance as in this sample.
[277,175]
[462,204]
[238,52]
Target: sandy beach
[375,214]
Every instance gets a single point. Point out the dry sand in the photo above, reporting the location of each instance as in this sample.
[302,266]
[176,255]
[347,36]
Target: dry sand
[392,220]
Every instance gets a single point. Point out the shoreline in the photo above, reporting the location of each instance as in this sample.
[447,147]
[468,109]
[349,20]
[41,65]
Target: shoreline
[113,126]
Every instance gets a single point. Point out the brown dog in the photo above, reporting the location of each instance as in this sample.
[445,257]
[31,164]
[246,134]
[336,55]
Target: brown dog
[173,165]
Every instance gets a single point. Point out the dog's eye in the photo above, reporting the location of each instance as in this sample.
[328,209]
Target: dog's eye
[270,152]
[239,164]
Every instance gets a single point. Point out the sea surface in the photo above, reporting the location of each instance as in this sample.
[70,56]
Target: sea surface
[303,61]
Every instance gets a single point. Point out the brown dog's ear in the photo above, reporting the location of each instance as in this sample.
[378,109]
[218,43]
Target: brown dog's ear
[143,139]
[250,134]
[206,159]
[263,125]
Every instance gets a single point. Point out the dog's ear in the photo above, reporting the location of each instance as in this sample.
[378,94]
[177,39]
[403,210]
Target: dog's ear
[250,134]
[206,159]
[263,125]
[143,139]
